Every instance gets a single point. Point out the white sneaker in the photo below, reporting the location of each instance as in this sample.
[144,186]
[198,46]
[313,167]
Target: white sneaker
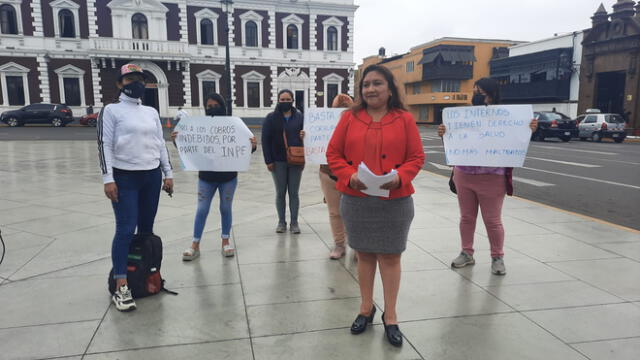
[123,300]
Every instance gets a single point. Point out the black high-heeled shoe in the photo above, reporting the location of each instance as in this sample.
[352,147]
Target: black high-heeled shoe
[360,323]
[393,333]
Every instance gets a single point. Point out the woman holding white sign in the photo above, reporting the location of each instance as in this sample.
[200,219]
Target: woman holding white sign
[209,182]
[281,148]
[381,134]
[331,194]
[484,187]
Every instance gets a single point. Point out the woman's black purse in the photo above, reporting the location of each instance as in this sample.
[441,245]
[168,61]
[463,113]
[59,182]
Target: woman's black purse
[452,185]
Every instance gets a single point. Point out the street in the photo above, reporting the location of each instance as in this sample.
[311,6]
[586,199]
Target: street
[601,180]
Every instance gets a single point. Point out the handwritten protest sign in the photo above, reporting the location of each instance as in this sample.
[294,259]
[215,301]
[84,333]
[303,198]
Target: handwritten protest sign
[221,143]
[496,135]
[319,125]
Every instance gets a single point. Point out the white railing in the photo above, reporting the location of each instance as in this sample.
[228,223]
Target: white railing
[150,46]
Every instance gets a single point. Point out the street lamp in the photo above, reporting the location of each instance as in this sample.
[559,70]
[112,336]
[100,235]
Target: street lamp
[227,65]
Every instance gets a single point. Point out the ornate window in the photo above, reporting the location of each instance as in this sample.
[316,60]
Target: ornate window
[292,26]
[332,87]
[71,85]
[208,82]
[332,34]
[207,28]
[66,23]
[15,86]
[252,29]
[253,89]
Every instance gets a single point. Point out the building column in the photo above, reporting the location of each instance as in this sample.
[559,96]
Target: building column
[274,84]
[95,82]
[186,76]
[184,33]
[232,35]
[93,19]
[312,32]
[312,84]
[350,29]
[352,82]
[43,77]
[272,29]
[36,13]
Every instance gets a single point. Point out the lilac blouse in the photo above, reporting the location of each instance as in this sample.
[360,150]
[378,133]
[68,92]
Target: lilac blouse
[481,170]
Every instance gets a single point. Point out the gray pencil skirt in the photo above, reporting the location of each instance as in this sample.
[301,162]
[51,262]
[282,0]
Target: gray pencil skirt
[377,226]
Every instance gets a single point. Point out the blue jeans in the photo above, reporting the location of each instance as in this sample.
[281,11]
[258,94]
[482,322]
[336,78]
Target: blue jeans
[206,191]
[287,180]
[138,196]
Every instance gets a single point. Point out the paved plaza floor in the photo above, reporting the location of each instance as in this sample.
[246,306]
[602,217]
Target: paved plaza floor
[572,290]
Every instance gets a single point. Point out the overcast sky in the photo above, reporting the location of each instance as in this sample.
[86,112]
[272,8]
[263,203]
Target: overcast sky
[399,25]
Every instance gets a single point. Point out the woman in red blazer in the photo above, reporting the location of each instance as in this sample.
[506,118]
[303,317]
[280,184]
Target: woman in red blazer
[383,135]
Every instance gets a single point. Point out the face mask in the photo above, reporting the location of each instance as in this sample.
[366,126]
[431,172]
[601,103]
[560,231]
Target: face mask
[134,90]
[285,107]
[215,111]
[478,100]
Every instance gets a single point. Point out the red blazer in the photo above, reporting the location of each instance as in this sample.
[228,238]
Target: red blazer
[401,149]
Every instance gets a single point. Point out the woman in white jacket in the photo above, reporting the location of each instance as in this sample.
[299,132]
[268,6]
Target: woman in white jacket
[133,156]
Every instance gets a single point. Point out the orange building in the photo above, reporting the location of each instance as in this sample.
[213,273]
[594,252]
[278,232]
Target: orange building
[440,73]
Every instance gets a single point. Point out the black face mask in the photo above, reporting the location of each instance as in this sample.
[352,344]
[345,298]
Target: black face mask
[215,111]
[284,107]
[134,90]
[478,100]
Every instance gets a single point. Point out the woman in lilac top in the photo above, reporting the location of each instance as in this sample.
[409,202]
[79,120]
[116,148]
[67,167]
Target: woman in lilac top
[485,187]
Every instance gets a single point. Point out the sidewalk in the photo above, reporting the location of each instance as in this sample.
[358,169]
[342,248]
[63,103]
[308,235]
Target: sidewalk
[572,290]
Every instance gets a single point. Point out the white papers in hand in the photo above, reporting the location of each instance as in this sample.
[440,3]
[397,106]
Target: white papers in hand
[373,181]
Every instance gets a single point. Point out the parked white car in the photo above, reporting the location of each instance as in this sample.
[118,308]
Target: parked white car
[599,126]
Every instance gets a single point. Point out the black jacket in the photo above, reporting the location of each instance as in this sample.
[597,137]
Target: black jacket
[273,147]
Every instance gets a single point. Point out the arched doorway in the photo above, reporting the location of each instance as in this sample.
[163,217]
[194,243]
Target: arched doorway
[151,92]
[297,81]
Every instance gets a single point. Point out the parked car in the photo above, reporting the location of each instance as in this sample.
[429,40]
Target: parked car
[89,120]
[54,114]
[554,124]
[599,126]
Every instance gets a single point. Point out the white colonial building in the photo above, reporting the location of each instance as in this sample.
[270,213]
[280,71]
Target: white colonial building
[70,51]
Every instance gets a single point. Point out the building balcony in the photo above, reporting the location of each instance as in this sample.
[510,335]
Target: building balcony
[461,98]
[151,47]
[558,90]
[447,72]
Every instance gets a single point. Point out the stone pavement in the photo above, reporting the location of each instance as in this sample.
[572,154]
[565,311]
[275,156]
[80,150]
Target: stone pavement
[572,290]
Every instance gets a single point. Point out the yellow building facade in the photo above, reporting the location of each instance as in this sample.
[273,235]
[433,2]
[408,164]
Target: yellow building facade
[440,73]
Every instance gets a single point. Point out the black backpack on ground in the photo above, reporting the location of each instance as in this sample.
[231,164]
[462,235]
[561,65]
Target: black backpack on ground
[143,267]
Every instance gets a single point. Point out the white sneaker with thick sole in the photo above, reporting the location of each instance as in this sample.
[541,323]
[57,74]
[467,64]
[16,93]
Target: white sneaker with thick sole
[123,300]
[462,260]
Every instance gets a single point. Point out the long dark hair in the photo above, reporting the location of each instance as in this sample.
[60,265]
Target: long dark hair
[217,98]
[491,88]
[394,101]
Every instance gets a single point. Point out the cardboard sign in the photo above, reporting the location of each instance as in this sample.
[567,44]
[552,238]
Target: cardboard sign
[496,135]
[319,124]
[221,143]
